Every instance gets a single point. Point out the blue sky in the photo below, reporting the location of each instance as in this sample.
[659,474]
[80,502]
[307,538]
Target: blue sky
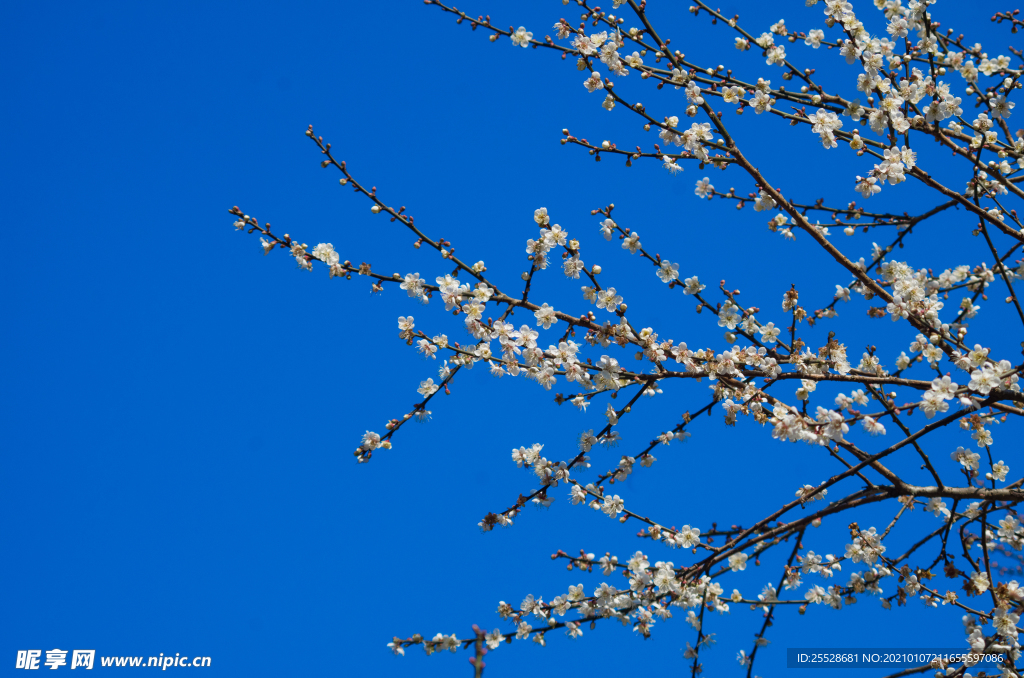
[179,412]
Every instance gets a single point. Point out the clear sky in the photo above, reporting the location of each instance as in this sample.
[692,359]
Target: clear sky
[178,412]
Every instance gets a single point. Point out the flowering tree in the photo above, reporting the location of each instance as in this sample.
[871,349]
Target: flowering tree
[772,368]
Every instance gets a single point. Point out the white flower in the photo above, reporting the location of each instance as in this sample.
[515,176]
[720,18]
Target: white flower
[578,495]
[370,441]
[873,427]
[984,380]
[769,333]
[762,102]
[687,537]
[668,272]
[965,458]
[937,507]
[693,286]
[825,123]
[776,55]
[728,315]
[494,638]
[572,267]
[612,506]
[867,187]
[693,93]
[764,202]
[1005,623]
[522,37]
[1000,106]
[427,387]
[632,242]
[806,490]
[325,253]
[545,316]
[733,95]
[412,285]
[608,299]
[999,471]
